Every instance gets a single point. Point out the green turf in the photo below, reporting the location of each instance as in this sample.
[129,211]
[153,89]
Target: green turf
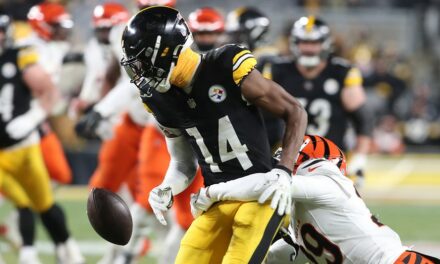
[412,222]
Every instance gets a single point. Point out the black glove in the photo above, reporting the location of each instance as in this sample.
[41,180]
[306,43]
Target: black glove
[87,124]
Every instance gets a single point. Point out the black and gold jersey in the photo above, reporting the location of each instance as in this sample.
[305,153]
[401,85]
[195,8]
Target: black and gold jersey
[15,96]
[321,96]
[225,131]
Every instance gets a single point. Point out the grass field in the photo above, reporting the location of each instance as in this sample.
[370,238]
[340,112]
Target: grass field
[410,207]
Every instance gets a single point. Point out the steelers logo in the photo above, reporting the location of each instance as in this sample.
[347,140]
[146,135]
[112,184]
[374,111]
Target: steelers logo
[9,70]
[331,86]
[217,93]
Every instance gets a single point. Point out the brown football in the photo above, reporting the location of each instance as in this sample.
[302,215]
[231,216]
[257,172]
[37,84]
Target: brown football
[109,216]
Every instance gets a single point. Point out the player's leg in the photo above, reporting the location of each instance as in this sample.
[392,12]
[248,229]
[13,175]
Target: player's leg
[117,156]
[208,237]
[255,226]
[55,159]
[413,257]
[34,179]
[10,162]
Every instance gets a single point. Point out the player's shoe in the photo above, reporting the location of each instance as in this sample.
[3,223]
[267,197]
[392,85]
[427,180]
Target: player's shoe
[28,255]
[69,253]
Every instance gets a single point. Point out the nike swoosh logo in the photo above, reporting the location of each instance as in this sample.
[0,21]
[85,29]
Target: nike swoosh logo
[312,169]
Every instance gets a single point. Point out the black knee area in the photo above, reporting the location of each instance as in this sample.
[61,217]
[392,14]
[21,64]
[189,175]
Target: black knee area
[26,225]
[55,223]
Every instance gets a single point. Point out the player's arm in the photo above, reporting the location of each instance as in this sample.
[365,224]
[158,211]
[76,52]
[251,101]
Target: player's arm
[43,90]
[180,173]
[273,98]
[353,99]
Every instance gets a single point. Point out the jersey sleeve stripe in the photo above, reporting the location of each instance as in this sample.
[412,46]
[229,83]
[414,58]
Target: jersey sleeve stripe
[241,60]
[353,78]
[238,55]
[244,69]
[26,57]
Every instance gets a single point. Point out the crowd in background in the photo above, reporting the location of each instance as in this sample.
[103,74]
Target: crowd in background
[402,87]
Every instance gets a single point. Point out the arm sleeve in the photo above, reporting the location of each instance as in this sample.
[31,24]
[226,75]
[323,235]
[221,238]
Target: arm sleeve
[95,69]
[183,164]
[118,99]
[241,189]
[312,188]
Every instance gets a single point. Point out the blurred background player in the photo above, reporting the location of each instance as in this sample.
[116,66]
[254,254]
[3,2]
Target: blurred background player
[248,26]
[27,97]
[98,55]
[51,24]
[329,87]
[207,25]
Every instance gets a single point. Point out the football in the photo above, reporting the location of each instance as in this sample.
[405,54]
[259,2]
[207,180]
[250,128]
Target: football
[109,216]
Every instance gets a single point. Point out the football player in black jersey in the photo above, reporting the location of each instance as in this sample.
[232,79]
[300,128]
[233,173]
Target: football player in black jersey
[207,108]
[27,94]
[329,88]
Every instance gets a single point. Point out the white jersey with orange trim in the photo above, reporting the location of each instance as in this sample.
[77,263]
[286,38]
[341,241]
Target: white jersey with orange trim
[332,222]
[97,58]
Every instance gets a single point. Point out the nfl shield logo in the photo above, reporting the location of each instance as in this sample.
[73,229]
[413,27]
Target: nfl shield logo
[217,93]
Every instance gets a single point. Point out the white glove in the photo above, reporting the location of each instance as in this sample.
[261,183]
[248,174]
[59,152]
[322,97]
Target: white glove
[277,187]
[357,164]
[24,124]
[200,202]
[161,200]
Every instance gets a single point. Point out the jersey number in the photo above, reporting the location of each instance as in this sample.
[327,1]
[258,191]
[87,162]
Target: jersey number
[6,102]
[226,137]
[322,111]
[319,245]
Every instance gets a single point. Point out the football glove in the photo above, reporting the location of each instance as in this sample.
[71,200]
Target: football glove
[200,202]
[23,125]
[88,124]
[161,200]
[277,187]
[355,169]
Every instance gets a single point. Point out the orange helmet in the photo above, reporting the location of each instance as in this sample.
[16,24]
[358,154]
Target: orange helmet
[146,3]
[206,19]
[316,147]
[46,16]
[109,14]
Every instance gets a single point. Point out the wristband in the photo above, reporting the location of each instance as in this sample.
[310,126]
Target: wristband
[284,168]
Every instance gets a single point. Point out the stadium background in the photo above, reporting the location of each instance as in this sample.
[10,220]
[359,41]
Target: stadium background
[396,44]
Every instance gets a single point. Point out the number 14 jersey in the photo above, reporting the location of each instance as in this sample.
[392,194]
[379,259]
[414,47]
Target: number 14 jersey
[226,132]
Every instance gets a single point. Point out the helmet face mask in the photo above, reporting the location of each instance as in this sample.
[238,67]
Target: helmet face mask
[152,43]
[310,41]
[5,32]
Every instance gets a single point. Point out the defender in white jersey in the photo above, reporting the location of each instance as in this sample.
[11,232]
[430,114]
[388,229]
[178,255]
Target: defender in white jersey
[331,222]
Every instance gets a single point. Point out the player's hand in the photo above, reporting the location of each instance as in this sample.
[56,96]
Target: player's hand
[161,200]
[23,125]
[200,202]
[87,125]
[355,169]
[277,187]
